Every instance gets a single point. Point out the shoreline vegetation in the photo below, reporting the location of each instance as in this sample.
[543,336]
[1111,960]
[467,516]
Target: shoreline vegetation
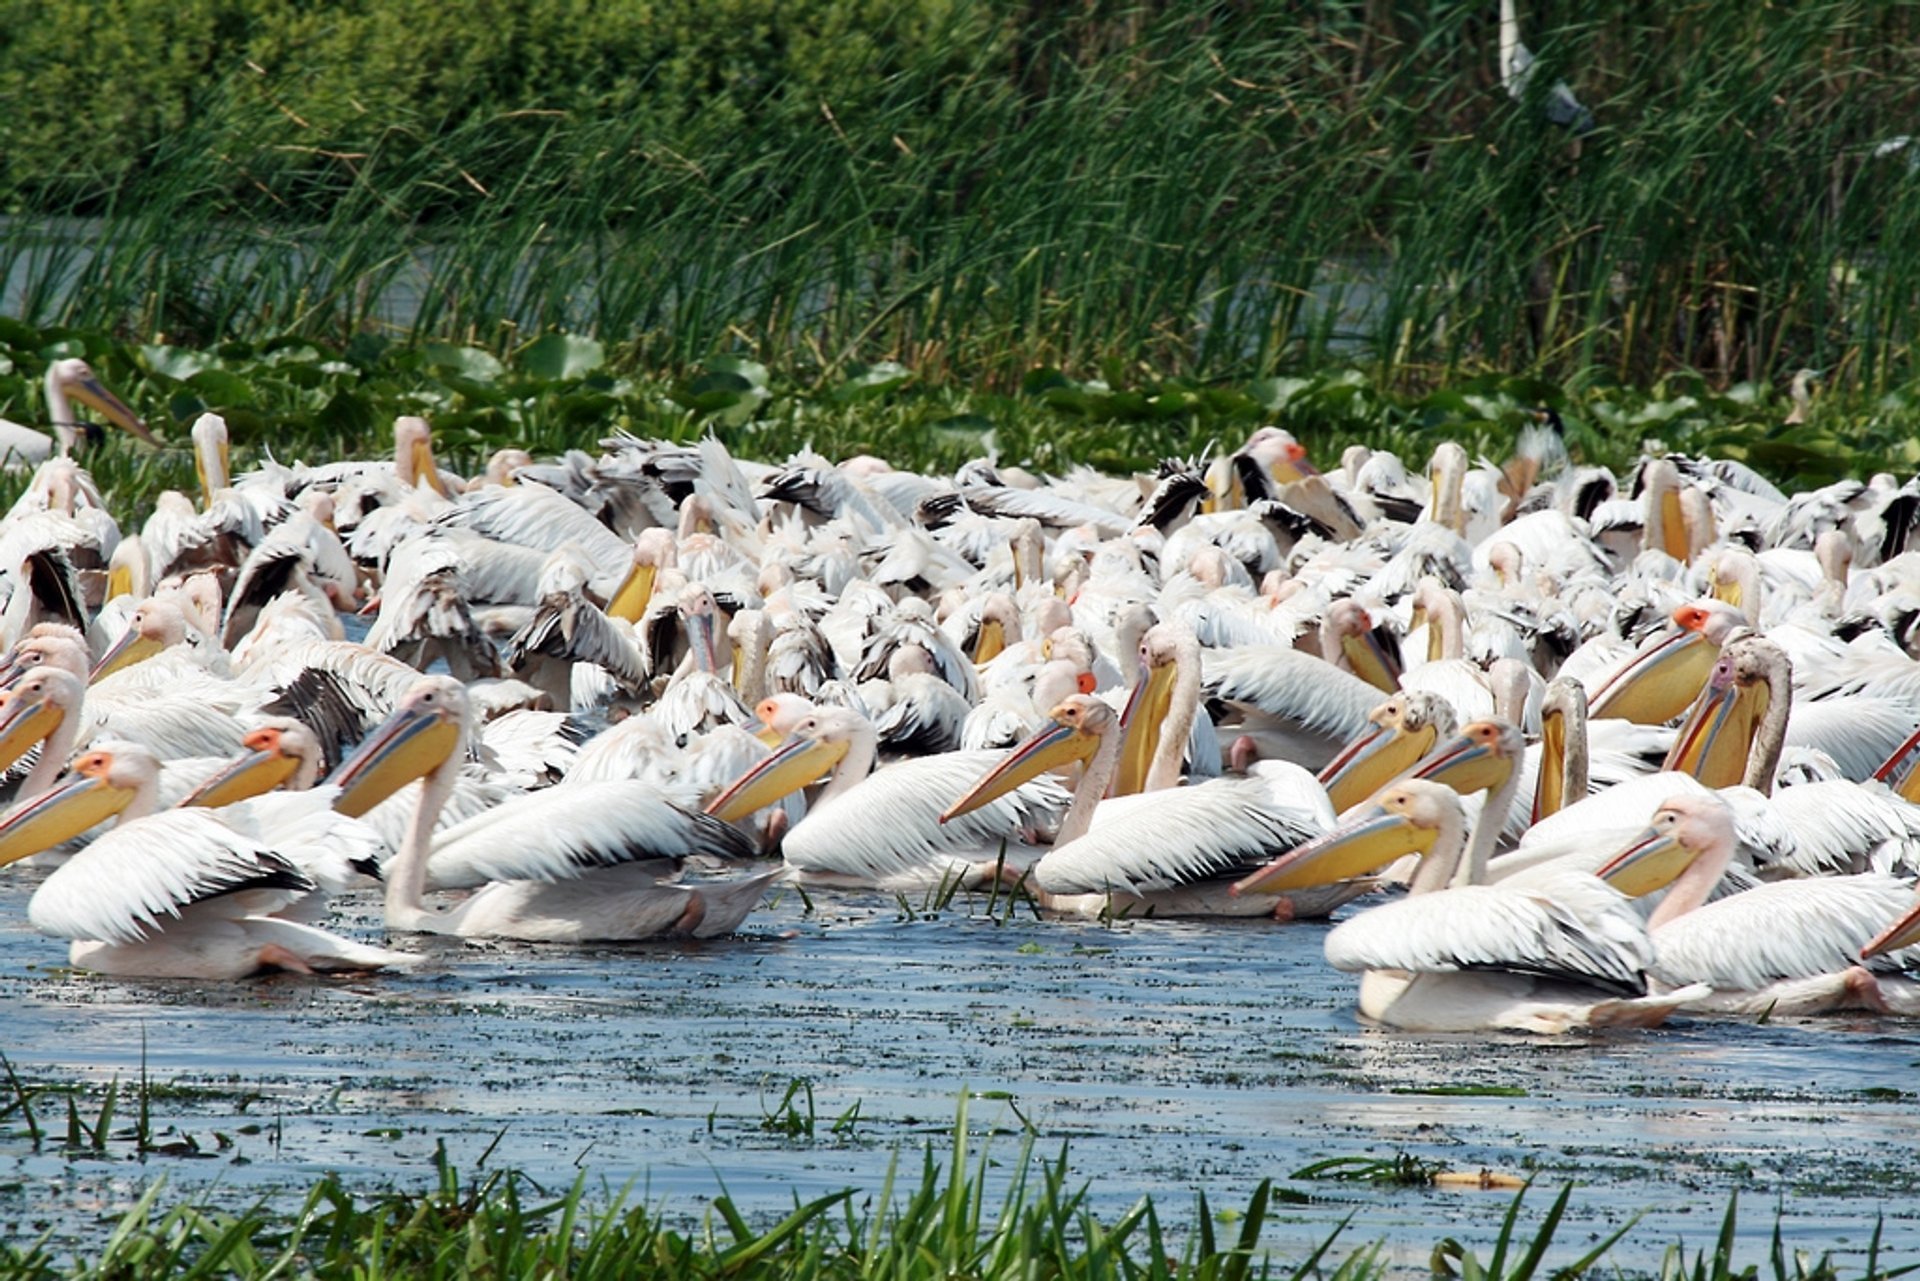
[1223,192]
[940,1220]
[310,400]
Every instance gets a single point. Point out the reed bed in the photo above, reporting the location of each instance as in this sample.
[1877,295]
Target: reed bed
[1203,192]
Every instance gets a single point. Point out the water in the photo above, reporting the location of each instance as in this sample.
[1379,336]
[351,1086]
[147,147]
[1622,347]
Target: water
[1170,1056]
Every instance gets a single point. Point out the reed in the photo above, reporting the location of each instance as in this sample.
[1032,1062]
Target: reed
[1217,192]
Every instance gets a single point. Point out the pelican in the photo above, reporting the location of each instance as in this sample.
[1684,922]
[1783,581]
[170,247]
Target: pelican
[1548,956]
[1791,947]
[168,893]
[568,864]
[882,827]
[66,381]
[1172,851]
[1404,729]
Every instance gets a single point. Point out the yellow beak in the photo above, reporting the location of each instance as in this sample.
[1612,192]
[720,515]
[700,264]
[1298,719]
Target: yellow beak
[1550,790]
[635,591]
[25,721]
[1714,742]
[797,762]
[991,639]
[1466,765]
[1051,748]
[59,815]
[1372,662]
[208,484]
[88,391]
[1653,861]
[1660,680]
[1904,932]
[131,648]
[411,744]
[1899,773]
[1373,760]
[1368,841]
[249,775]
[425,470]
[1145,712]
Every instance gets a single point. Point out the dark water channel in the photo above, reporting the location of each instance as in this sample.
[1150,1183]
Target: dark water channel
[1171,1057]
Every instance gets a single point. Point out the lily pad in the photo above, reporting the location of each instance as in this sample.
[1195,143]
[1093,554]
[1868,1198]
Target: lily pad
[562,356]
[471,363]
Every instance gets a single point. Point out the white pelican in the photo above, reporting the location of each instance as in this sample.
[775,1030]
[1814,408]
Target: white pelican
[1404,729]
[1457,955]
[567,864]
[1171,851]
[167,893]
[67,380]
[1791,947]
[882,827]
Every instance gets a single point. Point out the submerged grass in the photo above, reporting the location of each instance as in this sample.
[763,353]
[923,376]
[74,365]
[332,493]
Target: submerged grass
[943,1222]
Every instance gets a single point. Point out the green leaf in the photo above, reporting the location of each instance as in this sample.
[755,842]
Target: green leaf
[468,362]
[562,356]
[175,362]
[751,370]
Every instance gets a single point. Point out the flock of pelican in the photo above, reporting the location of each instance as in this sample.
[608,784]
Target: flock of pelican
[1579,750]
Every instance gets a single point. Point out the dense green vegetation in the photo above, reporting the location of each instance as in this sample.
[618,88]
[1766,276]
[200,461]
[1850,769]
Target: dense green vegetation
[1215,192]
[308,400]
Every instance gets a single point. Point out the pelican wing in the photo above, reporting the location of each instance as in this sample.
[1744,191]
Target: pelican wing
[886,830]
[1858,731]
[1051,509]
[1841,828]
[553,834]
[1573,927]
[119,888]
[535,516]
[568,627]
[1280,681]
[1785,930]
[1156,841]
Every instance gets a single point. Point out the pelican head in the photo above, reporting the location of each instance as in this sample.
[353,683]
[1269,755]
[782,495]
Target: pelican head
[1280,457]
[1080,723]
[104,782]
[653,550]
[1404,819]
[413,457]
[503,467]
[817,744]
[281,752]
[779,713]
[420,738]
[1405,728]
[1482,755]
[47,645]
[1665,673]
[151,628]
[1682,830]
[74,378]
[34,708]
[211,455]
[999,627]
[1350,630]
[700,618]
[1715,743]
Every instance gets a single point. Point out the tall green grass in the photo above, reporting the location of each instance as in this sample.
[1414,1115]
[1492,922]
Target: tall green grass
[1210,191]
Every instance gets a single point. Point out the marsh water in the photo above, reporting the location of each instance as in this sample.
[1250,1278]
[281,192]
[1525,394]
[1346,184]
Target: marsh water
[1169,1057]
